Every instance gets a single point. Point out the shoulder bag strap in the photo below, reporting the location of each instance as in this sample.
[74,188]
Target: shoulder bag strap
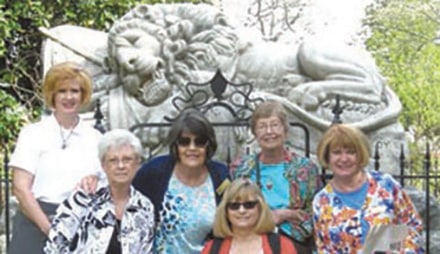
[274,242]
[216,244]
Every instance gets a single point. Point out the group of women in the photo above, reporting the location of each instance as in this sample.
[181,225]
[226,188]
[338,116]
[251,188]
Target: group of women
[81,192]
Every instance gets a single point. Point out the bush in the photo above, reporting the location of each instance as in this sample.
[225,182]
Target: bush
[13,116]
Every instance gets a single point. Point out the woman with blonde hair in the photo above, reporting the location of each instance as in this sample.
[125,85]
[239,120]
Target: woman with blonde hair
[357,199]
[52,156]
[243,223]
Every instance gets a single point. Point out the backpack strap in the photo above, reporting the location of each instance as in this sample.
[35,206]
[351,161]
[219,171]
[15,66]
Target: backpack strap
[274,242]
[216,244]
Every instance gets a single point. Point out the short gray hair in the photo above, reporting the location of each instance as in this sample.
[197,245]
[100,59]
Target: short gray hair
[118,138]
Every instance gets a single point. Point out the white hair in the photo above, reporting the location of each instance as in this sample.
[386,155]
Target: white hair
[118,138]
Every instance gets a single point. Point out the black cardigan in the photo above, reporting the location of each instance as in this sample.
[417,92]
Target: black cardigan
[153,178]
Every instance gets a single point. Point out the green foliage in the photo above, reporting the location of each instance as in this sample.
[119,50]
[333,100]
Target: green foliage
[11,119]
[402,44]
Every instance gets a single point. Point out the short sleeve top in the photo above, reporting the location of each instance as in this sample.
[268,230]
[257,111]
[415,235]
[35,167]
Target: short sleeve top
[56,170]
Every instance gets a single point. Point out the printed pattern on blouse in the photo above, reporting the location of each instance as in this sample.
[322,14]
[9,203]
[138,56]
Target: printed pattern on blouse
[303,178]
[84,224]
[186,217]
[338,227]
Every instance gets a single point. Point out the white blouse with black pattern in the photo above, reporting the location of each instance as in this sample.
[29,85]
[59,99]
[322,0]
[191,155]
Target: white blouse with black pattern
[84,224]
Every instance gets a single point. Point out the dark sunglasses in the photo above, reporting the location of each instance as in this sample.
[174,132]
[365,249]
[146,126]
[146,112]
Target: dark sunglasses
[198,141]
[247,205]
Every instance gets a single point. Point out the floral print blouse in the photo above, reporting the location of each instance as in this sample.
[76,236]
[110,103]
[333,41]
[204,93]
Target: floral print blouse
[303,180]
[186,218]
[338,227]
[85,223]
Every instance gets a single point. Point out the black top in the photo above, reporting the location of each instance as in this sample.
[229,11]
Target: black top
[115,244]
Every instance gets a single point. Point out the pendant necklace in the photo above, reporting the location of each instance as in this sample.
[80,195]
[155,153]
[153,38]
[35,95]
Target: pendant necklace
[268,181]
[65,139]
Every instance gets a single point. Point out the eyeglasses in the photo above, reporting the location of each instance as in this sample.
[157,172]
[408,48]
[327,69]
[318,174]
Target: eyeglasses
[274,126]
[198,141]
[124,160]
[247,205]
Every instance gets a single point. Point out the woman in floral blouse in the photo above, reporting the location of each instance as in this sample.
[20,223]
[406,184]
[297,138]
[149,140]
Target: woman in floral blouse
[115,219]
[356,199]
[288,181]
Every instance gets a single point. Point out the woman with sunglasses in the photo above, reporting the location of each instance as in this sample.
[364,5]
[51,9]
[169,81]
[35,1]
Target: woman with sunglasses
[288,181]
[243,224]
[184,186]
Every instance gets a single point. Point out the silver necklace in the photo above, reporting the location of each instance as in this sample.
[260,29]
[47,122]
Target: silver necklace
[66,139]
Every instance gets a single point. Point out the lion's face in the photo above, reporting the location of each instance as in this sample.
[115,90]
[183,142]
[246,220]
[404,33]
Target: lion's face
[140,67]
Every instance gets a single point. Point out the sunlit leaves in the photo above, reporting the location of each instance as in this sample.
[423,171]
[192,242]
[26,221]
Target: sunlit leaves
[11,119]
[402,44]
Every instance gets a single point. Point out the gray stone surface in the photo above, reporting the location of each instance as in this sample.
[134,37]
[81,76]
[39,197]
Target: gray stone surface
[13,206]
[419,199]
[2,243]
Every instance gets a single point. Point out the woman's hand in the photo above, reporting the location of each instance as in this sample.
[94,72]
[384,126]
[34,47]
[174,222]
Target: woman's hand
[294,216]
[88,184]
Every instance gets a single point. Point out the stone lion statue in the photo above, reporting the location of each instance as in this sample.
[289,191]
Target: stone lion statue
[150,53]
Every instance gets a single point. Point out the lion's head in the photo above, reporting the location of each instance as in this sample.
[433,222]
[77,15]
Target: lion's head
[155,49]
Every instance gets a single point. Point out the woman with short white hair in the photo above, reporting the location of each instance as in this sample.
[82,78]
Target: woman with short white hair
[117,218]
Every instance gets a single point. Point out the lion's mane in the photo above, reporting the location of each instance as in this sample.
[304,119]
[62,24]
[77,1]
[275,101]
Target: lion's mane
[193,38]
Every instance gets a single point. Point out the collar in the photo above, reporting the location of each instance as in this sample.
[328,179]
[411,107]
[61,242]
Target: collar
[103,195]
[54,124]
